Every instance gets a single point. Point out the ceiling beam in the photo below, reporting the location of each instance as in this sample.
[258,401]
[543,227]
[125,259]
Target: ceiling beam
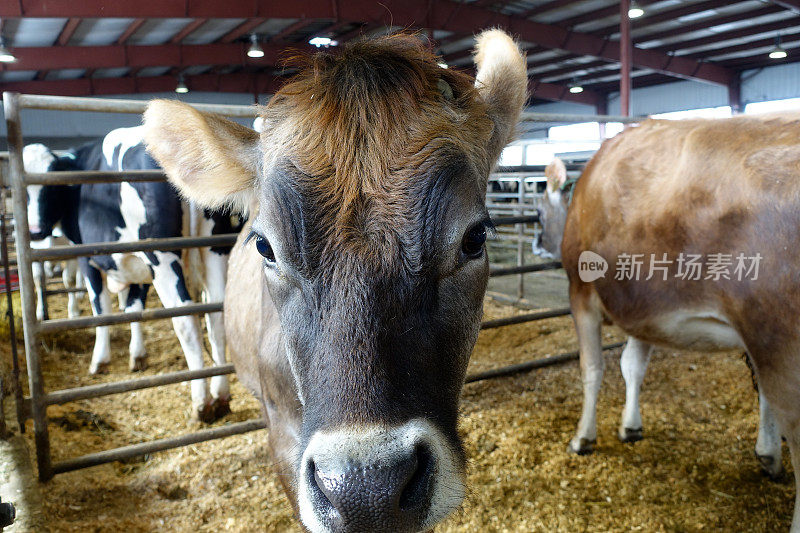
[241,82]
[242,29]
[560,93]
[130,30]
[66,32]
[707,24]
[747,31]
[186,30]
[791,5]
[443,14]
[138,56]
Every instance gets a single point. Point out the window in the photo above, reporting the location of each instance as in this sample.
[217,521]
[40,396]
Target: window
[772,106]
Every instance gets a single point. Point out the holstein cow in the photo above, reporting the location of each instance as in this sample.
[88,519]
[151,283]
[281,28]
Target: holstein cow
[131,211]
[636,355]
[698,222]
[356,291]
[46,232]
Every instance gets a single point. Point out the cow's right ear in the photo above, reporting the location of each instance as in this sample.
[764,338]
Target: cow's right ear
[211,160]
[556,174]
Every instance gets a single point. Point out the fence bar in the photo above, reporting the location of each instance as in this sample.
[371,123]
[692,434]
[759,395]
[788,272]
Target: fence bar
[69,177]
[61,324]
[524,269]
[529,317]
[575,119]
[126,452]
[11,105]
[68,290]
[110,105]
[128,385]
[57,253]
[527,170]
[523,219]
[12,327]
[530,365]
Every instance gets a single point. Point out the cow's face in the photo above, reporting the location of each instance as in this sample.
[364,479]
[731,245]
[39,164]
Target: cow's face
[370,178]
[552,211]
[43,205]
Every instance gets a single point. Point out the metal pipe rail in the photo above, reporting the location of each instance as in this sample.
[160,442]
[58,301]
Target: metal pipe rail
[524,269]
[531,365]
[57,253]
[528,317]
[129,385]
[61,324]
[134,450]
[69,177]
[577,119]
[110,105]
[507,221]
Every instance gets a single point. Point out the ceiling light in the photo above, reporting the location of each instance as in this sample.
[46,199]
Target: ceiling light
[576,89]
[181,87]
[634,11]
[322,41]
[5,55]
[255,50]
[778,52]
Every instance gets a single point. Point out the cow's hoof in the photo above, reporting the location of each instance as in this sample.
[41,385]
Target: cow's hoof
[222,407]
[204,413]
[100,368]
[629,434]
[138,364]
[581,446]
[771,466]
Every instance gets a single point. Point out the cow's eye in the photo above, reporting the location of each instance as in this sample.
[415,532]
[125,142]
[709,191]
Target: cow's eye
[474,241]
[265,249]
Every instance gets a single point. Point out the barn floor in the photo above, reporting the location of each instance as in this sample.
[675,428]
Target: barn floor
[694,470]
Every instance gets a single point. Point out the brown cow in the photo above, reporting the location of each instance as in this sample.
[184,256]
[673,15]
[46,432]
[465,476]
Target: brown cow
[355,294]
[708,212]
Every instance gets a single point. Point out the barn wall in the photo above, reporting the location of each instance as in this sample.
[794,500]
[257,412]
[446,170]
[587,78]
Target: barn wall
[63,129]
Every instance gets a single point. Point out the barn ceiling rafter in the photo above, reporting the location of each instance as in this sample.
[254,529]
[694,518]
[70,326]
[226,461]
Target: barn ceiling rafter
[567,41]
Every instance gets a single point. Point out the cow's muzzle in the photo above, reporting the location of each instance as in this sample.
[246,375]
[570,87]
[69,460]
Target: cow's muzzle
[401,479]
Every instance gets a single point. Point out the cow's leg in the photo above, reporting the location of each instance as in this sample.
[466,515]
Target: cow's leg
[69,277]
[134,302]
[775,362]
[216,267]
[170,285]
[587,317]
[100,300]
[37,269]
[633,363]
[768,444]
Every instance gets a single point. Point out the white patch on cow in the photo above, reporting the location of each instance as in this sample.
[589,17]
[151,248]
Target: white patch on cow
[704,330]
[381,445]
[187,328]
[124,139]
[553,197]
[36,158]
[133,212]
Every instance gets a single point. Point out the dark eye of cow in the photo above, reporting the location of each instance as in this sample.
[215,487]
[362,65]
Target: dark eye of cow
[265,249]
[474,241]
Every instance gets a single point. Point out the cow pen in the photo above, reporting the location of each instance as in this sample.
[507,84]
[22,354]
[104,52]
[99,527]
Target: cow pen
[35,406]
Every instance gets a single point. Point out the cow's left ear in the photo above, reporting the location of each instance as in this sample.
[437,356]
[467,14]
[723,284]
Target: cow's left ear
[556,174]
[211,160]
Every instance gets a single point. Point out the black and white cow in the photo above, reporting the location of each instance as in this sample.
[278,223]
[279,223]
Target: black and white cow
[127,211]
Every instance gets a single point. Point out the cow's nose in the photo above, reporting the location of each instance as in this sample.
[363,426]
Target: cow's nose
[388,495]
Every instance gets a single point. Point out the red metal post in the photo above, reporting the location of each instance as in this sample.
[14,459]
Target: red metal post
[625,53]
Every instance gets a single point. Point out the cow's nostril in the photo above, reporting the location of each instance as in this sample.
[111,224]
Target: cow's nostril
[415,493]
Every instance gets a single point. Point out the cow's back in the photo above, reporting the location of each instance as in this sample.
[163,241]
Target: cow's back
[693,187]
